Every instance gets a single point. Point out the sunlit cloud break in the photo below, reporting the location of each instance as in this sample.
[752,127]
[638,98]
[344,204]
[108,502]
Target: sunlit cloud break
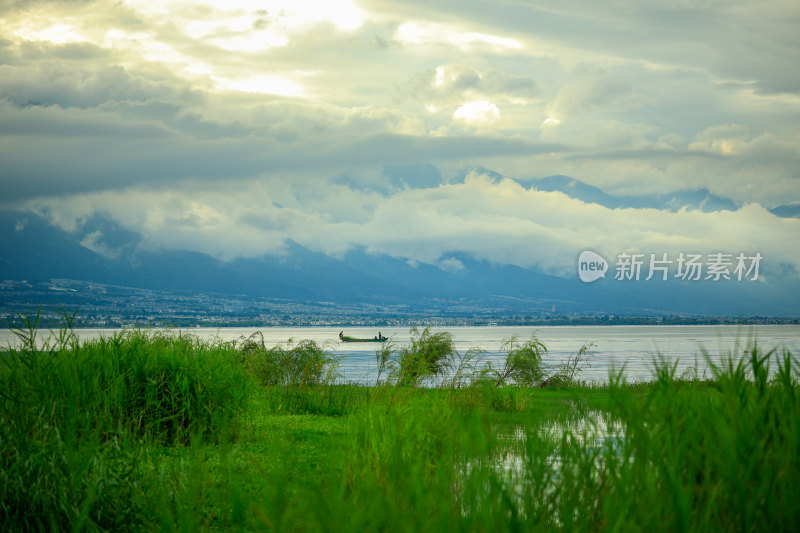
[412,129]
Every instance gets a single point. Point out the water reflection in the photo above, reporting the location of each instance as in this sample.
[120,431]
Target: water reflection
[592,431]
[528,461]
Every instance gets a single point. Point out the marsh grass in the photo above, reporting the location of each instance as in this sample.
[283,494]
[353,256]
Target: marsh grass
[76,419]
[431,359]
[150,385]
[331,400]
[714,455]
[147,430]
[428,357]
[294,364]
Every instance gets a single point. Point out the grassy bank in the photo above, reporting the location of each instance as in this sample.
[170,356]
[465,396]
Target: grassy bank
[147,430]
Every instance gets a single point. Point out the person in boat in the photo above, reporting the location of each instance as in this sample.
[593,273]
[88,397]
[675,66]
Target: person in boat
[380,336]
[341,337]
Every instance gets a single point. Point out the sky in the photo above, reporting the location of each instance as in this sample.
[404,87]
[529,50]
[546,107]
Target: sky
[413,128]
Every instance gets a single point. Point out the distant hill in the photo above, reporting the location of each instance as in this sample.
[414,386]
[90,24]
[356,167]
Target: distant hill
[697,199]
[31,249]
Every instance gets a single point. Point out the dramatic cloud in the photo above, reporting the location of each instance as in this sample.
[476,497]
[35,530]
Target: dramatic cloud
[230,127]
[491,218]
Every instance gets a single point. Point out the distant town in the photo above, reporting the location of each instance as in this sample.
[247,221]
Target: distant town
[111,306]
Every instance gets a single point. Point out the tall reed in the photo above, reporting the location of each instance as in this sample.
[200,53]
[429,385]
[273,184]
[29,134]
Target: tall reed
[74,418]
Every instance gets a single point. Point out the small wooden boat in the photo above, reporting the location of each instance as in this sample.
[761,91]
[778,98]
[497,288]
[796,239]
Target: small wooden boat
[347,338]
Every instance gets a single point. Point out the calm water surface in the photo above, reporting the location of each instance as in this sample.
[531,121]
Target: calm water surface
[632,346]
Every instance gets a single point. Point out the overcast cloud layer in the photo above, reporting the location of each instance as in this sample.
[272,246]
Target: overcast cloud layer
[228,127]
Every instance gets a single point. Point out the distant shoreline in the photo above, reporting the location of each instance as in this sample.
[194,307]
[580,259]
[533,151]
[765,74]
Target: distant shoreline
[367,321]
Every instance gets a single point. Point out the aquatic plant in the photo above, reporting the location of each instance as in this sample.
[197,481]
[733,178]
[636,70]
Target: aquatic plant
[301,364]
[523,362]
[568,371]
[428,357]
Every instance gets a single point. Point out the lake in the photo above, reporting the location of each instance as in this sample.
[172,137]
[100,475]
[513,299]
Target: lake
[632,346]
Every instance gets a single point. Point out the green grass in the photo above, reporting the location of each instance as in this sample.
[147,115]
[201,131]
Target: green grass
[77,421]
[149,430]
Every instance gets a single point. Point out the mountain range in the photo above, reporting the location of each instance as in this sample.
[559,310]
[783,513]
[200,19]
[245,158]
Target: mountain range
[690,199]
[34,250]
